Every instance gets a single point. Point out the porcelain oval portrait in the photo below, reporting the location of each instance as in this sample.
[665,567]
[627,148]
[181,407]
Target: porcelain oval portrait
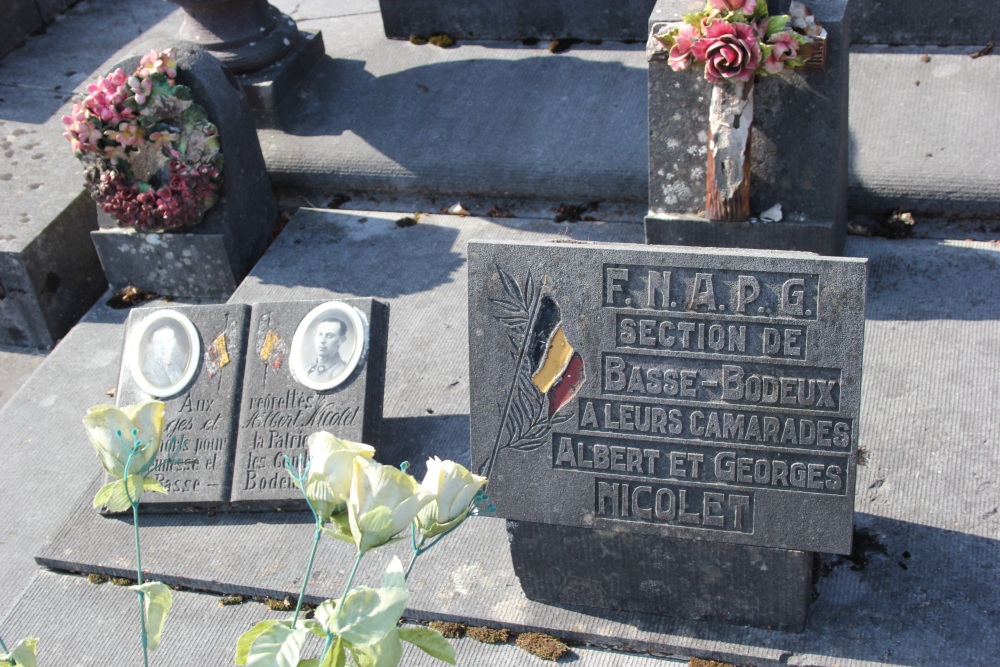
[163,352]
[329,344]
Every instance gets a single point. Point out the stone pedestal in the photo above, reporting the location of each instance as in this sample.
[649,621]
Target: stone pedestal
[207,260]
[686,579]
[517,19]
[799,150]
[262,46]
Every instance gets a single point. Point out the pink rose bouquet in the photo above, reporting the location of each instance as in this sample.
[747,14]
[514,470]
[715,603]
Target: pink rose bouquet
[735,40]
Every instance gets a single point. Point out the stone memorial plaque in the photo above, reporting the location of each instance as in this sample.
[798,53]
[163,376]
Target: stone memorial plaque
[311,366]
[191,358]
[677,392]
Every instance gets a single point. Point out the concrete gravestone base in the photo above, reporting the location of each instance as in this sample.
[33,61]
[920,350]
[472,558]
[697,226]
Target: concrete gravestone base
[209,259]
[689,579]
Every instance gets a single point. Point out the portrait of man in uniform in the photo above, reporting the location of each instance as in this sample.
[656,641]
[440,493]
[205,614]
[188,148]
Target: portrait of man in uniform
[164,362]
[329,338]
[163,352]
[328,345]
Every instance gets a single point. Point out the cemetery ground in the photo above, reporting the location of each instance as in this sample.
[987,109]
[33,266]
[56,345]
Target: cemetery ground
[400,130]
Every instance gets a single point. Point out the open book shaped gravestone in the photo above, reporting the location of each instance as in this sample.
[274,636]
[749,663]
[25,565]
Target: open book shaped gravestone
[245,386]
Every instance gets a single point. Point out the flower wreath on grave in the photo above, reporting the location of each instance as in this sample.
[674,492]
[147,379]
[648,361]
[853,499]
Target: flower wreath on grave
[733,41]
[152,156]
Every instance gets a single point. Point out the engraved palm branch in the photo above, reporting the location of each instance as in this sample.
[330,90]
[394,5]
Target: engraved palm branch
[524,424]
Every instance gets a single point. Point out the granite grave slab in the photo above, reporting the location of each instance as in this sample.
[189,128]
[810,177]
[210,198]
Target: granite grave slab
[192,359]
[311,366]
[671,392]
[799,149]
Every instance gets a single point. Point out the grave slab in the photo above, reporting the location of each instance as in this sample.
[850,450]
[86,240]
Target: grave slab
[201,412]
[289,393]
[202,631]
[799,150]
[517,19]
[208,260]
[924,348]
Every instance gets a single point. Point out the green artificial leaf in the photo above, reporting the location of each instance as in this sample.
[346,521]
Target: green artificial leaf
[246,640]
[760,11]
[156,602]
[340,527]
[777,23]
[800,38]
[278,646]
[366,616]
[152,484]
[104,493]
[22,655]
[115,497]
[693,19]
[429,641]
[336,656]
[668,39]
[387,652]
[311,662]
[394,576]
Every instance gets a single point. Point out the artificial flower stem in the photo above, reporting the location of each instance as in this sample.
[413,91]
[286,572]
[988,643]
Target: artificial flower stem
[326,647]
[309,567]
[3,647]
[421,549]
[138,552]
[350,577]
[138,569]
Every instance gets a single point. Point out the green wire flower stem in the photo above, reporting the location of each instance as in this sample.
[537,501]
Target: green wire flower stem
[3,647]
[309,567]
[138,551]
[420,549]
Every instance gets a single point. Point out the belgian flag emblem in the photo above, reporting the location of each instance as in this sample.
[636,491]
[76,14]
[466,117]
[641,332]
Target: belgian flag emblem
[557,370]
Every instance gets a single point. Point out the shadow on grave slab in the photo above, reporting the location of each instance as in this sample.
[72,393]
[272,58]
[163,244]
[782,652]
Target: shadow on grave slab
[885,600]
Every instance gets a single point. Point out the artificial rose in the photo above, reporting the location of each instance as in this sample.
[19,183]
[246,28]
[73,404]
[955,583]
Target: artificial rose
[784,46]
[745,6]
[383,503]
[454,488]
[681,57]
[730,52]
[331,468]
[115,433]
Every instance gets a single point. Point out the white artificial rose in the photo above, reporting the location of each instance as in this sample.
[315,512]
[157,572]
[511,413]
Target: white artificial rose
[383,502]
[115,432]
[454,489]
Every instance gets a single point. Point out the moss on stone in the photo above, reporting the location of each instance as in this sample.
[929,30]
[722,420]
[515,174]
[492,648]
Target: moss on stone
[448,629]
[543,646]
[488,635]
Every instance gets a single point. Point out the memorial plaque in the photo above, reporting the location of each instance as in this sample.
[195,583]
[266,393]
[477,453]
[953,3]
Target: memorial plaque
[311,366]
[191,358]
[669,391]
